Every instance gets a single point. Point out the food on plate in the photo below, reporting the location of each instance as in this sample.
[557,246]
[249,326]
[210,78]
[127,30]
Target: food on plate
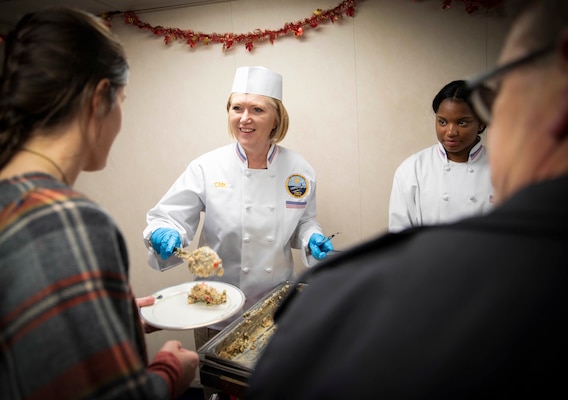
[204,293]
[202,262]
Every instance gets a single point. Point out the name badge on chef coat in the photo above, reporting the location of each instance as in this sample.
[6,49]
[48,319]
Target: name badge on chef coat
[297,187]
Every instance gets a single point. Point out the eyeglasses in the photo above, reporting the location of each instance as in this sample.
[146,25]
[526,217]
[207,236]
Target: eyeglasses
[482,93]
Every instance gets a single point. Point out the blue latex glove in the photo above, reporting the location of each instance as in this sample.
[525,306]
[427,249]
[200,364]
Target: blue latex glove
[319,250]
[164,240]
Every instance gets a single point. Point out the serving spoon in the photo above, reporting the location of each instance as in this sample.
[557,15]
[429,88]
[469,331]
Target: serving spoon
[203,261]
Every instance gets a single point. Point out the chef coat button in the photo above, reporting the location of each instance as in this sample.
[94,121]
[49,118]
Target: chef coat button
[246,239]
[271,208]
[471,170]
[471,197]
[268,269]
[270,238]
[446,167]
[247,173]
[246,270]
[247,207]
[445,197]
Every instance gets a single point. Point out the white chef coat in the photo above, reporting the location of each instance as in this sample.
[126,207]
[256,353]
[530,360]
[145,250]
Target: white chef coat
[252,217]
[430,189]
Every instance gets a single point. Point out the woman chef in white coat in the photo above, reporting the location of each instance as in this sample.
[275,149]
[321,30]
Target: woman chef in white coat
[447,181]
[258,198]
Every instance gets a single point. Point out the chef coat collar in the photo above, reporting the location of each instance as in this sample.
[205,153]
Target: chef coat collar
[243,157]
[473,153]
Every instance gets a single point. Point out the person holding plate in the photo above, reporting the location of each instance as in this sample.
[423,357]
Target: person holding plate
[69,323]
[258,199]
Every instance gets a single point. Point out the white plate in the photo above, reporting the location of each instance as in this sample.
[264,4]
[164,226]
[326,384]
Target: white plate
[171,311]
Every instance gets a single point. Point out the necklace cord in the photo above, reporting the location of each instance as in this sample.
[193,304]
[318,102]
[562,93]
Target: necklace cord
[49,160]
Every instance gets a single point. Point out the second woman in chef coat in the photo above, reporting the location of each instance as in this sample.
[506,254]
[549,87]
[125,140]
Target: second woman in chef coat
[258,198]
[449,180]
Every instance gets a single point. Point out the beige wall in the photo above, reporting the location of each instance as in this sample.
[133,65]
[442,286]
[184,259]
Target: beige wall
[358,93]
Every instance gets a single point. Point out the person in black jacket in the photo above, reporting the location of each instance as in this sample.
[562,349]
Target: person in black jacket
[473,309]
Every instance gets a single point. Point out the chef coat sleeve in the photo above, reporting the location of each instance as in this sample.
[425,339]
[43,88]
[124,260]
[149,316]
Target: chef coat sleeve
[307,226]
[402,203]
[180,209]
[157,263]
[306,255]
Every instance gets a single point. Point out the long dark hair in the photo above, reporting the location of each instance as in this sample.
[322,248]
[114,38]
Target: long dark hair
[53,60]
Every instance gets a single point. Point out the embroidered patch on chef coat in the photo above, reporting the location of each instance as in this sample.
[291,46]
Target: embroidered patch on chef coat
[297,186]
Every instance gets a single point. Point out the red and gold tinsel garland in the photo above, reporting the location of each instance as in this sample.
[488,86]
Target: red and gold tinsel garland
[472,6]
[228,40]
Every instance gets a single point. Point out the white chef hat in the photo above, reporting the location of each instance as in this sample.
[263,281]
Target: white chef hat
[258,80]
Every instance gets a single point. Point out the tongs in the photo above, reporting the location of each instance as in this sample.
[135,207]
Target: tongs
[327,239]
[203,261]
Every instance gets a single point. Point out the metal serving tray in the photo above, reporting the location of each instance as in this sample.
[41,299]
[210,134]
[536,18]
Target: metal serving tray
[228,360]
[240,344]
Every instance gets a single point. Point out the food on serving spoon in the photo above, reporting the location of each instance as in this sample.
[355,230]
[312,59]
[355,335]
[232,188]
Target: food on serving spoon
[203,293]
[202,262]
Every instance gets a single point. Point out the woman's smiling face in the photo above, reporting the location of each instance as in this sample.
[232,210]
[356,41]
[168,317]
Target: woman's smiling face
[252,118]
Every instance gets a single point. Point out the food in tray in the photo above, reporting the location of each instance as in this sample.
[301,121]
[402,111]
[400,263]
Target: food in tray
[240,349]
[204,293]
[245,344]
[202,262]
